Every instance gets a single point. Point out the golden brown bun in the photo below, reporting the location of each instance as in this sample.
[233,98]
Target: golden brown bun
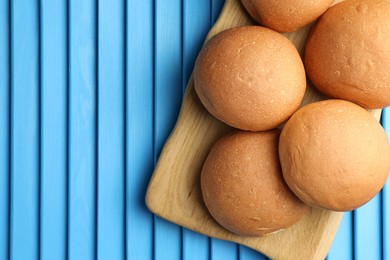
[334,155]
[286,16]
[348,52]
[243,187]
[250,77]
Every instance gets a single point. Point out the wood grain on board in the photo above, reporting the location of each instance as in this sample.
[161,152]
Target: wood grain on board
[174,190]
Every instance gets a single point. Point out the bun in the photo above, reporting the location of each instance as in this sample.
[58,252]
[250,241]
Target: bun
[286,16]
[334,155]
[348,52]
[251,78]
[243,187]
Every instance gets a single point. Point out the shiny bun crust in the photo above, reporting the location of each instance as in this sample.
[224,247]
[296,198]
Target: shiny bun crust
[251,78]
[348,52]
[334,155]
[286,16]
[243,187]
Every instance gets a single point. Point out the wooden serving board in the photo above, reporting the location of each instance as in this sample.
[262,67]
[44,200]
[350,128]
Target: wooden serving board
[174,190]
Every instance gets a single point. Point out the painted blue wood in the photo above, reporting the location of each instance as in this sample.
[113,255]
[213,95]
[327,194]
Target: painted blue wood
[247,253]
[53,211]
[196,23]
[195,245]
[367,236]
[221,249]
[385,243]
[82,130]
[139,126]
[4,129]
[167,101]
[386,198]
[25,130]
[111,141]
[94,150]
[342,246]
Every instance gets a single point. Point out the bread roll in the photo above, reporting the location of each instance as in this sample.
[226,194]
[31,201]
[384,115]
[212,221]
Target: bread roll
[348,52]
[250,77]
[286,16]
[243,187]
[334,155]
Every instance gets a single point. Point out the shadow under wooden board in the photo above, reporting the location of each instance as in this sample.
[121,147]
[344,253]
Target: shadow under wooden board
[174,190]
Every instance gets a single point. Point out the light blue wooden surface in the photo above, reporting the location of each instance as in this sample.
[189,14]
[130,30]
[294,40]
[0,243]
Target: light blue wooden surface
[139,53]
[82,129]
[111,130]
[53,55]
[25,130]
[89,92]
[4,127]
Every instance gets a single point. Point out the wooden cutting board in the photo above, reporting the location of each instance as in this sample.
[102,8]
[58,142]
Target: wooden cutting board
[174,190]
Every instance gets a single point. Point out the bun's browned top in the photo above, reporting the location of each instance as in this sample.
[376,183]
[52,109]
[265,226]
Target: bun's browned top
[334,155]
[286,16]
[243,187]
[251,78]
[348,52]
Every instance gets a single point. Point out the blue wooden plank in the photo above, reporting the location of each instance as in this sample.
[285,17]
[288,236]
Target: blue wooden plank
[4,130]
[25,130]
[168,95]
[196,24]
[195,245]
[111,141]
[385,243]
[386,198]
[250,254]
[367,234]
[139,126]
[54,129]
[342,247]
[82,130]
[223,250]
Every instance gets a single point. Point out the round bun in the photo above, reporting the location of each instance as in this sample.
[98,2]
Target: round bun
[250,77]
[243,187]
[334,155]
[348,52]
[286,16]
